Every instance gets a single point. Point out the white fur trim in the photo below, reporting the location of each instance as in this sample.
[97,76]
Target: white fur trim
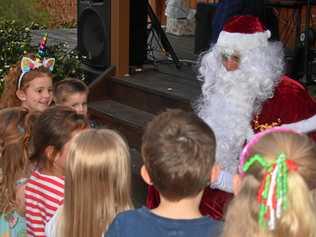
[242,42]
[303,126]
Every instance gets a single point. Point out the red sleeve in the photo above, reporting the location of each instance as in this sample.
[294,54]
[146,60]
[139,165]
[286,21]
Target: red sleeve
[291,103]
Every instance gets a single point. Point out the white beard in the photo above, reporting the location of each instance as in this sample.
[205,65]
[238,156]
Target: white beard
[228,110]
[230,99]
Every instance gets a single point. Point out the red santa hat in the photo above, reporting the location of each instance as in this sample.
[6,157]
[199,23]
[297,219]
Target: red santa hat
[242,33]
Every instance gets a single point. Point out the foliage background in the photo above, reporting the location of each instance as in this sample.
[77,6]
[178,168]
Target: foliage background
[17,20]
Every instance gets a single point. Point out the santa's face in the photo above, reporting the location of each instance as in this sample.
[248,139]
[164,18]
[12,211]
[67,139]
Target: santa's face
[231,61]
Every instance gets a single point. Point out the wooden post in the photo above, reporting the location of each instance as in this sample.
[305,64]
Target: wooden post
[159,8]
[120,36]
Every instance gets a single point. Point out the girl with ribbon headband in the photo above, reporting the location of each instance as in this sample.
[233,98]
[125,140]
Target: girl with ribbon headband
[29,82]
[278,178]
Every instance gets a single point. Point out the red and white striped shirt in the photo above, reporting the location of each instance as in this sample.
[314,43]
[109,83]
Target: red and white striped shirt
[43,195]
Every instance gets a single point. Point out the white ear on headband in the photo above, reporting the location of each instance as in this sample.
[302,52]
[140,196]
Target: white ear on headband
[28,64]
[49,63]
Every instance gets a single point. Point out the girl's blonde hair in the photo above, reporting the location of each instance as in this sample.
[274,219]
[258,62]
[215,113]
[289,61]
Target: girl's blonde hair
[299,218]
[97,183]
[8,97]
[15,131]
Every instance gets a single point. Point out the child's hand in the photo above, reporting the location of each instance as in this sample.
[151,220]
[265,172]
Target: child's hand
[216,170]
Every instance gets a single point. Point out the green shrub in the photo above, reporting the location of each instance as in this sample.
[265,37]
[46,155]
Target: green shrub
[15,41]
[67,62]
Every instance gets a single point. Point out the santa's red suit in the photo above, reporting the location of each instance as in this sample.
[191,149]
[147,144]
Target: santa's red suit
[241,76]
[290,103]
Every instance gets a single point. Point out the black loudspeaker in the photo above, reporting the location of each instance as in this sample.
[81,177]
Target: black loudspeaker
[94,30]
[138,32]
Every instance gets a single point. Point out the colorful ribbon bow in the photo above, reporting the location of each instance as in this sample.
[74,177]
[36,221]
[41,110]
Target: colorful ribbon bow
[272,194]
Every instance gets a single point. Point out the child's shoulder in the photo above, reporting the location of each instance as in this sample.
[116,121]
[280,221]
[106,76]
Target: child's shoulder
[131,214]
[37,175]
[42,181]
[142,215]
[133,217]
[143,222]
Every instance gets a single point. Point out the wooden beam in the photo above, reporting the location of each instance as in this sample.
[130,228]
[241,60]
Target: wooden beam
[159,8]
[120,36]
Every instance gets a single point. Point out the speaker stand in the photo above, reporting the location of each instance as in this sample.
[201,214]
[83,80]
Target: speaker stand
[156,26]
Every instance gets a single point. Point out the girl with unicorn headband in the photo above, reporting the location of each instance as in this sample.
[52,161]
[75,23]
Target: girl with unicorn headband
[29,82]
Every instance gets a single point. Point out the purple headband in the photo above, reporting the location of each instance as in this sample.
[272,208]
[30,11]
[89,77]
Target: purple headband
[254,140]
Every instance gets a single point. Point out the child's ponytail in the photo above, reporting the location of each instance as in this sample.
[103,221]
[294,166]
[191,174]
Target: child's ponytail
[278,170]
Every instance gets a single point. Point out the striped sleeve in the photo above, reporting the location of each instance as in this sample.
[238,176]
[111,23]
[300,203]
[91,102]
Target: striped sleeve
[43,195]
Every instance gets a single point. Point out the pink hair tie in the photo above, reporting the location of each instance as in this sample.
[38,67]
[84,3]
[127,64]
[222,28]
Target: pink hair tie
[246,150]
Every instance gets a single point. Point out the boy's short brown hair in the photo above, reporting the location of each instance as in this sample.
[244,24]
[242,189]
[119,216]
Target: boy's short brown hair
[178,150]
[67,87]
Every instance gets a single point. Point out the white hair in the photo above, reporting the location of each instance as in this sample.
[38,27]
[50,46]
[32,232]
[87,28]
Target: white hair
[262,68]
[230,99]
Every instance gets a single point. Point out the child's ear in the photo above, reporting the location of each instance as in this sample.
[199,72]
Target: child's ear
[21,95]
[145,175]
[50,153]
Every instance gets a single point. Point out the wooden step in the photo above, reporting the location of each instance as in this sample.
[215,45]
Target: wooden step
[151,91]
[129,121]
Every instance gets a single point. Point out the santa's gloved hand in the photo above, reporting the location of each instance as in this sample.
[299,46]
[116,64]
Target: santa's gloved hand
[221,179]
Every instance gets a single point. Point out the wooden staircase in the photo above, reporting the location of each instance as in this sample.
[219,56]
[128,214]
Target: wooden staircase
[128,104]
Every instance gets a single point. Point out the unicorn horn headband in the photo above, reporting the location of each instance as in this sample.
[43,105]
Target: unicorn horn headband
[28,64]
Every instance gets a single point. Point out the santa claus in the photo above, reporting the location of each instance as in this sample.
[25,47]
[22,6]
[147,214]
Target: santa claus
[243,92]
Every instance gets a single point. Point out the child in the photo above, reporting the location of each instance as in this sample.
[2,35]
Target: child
[178,151]
[72,93]
[275,197]
[29,82]
[44,191]
[15,126]
[98,162]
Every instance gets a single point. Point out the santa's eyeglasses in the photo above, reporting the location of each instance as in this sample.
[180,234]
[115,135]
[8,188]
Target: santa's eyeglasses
[234,57]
